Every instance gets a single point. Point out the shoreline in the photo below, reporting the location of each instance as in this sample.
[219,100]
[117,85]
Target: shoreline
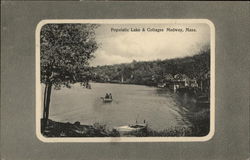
[199,128]
[188,90]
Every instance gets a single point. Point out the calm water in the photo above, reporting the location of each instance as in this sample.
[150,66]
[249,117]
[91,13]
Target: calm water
[161,108]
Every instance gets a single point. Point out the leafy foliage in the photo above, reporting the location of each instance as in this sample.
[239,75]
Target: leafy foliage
[153,72]
[65,51]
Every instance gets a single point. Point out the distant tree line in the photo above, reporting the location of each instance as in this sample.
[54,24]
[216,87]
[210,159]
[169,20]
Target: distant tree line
[196,67]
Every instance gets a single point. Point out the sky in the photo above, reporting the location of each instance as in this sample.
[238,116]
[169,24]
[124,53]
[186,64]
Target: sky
[124,47]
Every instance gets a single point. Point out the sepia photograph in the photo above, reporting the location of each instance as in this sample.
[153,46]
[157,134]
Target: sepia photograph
[125,80]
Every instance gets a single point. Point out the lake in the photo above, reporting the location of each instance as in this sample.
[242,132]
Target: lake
[160,108]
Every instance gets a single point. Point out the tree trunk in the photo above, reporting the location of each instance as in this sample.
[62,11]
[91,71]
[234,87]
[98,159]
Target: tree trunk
[44,100]
[201,86]
[47,94]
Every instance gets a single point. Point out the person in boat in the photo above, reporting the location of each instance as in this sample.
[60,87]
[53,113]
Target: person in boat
[110,95]
[107,96]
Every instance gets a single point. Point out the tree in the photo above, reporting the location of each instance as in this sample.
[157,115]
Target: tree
[65,51]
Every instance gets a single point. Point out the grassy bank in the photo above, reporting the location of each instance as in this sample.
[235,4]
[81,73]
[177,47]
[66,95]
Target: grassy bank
[59,129]
[201,122]
[200,127]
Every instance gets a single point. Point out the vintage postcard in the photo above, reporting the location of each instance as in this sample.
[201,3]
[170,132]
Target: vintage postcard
[125,80]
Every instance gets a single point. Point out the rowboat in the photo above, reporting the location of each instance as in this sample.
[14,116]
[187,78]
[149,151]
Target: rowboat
[106,100]
[131,127]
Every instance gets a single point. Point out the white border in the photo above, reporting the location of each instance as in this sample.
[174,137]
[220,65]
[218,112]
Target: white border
[128,139]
